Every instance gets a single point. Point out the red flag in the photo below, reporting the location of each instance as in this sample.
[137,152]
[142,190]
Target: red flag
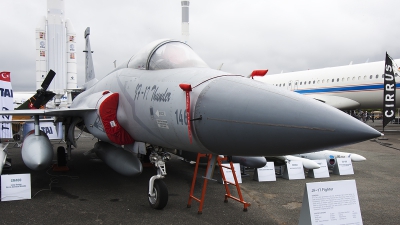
[5,76]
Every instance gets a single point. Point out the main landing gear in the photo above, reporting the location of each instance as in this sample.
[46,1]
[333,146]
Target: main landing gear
[158,191]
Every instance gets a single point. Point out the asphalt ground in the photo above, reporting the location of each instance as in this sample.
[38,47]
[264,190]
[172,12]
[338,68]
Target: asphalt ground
[92,193]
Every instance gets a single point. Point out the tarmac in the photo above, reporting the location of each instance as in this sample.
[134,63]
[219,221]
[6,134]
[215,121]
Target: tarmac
[92,193]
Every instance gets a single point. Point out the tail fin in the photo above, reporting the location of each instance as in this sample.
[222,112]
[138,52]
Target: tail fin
[89,69]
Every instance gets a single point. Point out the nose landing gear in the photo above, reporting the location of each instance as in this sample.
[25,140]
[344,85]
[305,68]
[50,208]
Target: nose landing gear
[158,191]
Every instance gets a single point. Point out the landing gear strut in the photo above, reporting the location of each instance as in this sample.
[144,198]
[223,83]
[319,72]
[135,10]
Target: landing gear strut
[158,191]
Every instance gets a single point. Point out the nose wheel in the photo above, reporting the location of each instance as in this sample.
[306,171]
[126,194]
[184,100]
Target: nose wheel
[160,198]
[158,191]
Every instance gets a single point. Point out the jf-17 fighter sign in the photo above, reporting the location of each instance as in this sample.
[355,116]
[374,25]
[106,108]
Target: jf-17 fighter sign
[166,98]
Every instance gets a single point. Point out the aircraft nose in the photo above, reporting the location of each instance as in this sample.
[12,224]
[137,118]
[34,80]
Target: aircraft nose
[244,117]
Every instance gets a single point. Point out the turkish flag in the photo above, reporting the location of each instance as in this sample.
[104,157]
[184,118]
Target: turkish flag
[5,76]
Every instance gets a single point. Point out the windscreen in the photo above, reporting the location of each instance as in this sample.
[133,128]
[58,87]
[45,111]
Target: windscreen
[174,55]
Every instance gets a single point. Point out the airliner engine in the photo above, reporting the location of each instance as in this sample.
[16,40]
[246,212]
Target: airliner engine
[120,160]
[37,151]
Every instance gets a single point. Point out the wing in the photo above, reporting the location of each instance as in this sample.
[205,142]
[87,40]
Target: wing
[49,112]
[75,113]
[336,101]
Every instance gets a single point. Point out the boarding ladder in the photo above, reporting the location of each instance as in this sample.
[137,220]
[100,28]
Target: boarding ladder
[212,159]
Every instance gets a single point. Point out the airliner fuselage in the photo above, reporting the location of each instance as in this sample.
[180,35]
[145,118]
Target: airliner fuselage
[357,86]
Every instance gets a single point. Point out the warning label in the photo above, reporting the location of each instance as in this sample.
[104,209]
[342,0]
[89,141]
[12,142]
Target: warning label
[162,124]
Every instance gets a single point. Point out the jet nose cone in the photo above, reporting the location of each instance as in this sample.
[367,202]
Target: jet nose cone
[244,117]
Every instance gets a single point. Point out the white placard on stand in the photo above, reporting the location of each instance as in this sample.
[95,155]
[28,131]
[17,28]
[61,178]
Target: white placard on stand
[322,172]
[343,167]
[228,172]
[294,171]
[15,187]
[266,173]
[331,203]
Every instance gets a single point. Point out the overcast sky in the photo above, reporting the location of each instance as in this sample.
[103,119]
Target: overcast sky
[244,35]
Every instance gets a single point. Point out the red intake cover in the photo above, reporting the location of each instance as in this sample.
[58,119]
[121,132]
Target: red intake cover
[108,114]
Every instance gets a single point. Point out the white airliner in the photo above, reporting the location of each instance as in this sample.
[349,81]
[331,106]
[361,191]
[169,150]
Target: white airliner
[358,86]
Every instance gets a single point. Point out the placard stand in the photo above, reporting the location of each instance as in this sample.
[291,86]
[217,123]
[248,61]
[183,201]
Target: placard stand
[15,187]
[294,171]
[228,173]
[266,173]
[321,172]
[343,166]
[330,203]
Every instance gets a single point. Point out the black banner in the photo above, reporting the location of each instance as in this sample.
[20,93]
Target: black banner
[389,92]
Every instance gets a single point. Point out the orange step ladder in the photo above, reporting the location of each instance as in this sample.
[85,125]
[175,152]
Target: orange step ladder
[209,172]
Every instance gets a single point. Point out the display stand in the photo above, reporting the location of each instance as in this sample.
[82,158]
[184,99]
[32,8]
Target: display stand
[15,187]
[321,172]
[330,203]
[266,173]
[294,171]
[228,173]
[343,166]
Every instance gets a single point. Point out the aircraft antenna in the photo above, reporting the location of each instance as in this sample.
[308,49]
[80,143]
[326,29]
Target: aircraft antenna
[220,67]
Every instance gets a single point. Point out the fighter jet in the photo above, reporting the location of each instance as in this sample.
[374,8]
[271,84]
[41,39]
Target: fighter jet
[165,97]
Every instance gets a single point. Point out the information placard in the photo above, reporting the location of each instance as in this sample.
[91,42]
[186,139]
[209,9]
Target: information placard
[15,187]
[294,171]
[331,203]
[266,173]
[321,172]
[228,172]
[343,167]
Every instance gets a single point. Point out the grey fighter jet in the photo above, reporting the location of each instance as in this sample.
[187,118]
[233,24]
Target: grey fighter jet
[166,97]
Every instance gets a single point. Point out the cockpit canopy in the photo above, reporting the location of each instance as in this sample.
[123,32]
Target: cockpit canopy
[165,54]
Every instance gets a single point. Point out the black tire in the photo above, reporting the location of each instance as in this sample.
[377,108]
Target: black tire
[160,200]
[61,156]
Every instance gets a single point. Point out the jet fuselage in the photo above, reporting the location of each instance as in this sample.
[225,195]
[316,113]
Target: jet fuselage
[227,117]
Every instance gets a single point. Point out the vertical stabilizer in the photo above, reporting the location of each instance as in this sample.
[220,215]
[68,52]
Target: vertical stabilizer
[90,78]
